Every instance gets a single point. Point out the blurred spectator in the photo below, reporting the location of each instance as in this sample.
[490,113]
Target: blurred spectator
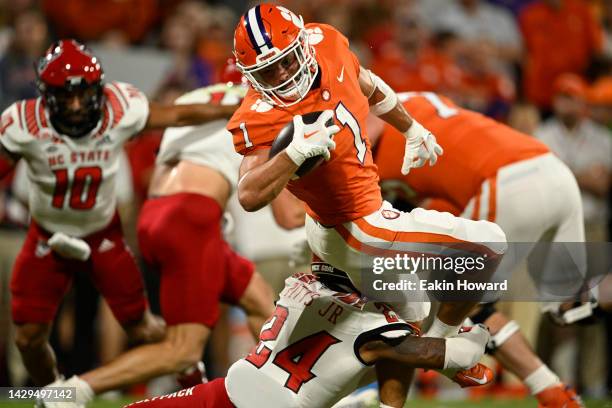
[606,19]
[515,6]
[408,63]
[179,36]
[584,146]
[560,36]
[487,28]
[524,118]
[91,20]
[600,101]
[17,78]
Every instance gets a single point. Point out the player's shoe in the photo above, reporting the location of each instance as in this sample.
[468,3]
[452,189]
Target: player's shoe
[476,376]
[192,376]
[559,396]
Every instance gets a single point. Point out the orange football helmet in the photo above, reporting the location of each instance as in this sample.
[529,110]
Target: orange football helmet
[272,51]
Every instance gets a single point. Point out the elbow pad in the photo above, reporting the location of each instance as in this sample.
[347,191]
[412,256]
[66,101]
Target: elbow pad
[390,100]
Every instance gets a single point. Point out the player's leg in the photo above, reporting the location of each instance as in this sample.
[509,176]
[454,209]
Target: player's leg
[39,281]
[115,274]
[393,382]
[396,358]
[32,340]
[246,287]
[181,349]
[209,395]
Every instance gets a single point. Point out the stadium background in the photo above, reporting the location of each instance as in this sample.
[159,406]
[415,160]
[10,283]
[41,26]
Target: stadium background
[500,57]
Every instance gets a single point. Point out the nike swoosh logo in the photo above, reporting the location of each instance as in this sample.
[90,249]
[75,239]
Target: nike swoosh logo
[307,135]
[481,381]
[341,76]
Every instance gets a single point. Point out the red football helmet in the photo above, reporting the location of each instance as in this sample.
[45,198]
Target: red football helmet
[231,73]
[272,51]
[70,82]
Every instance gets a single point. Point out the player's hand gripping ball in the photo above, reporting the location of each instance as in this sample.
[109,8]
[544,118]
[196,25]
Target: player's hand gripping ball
[307,140]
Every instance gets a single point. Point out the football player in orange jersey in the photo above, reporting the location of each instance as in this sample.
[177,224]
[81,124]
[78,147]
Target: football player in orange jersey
[296,69]
[491,171]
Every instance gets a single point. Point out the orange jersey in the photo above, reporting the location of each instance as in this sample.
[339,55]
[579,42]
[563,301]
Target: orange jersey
[475,147]
[345,187]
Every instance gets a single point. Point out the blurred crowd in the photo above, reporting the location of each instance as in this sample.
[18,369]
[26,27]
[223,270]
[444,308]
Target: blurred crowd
[542,66]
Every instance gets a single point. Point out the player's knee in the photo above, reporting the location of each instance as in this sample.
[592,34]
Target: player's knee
[257,299]
[491,235]
[31,337]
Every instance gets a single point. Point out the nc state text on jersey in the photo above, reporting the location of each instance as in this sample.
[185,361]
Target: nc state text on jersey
[79,157]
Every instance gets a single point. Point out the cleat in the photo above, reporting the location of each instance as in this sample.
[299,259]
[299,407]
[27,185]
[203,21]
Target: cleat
[559,396]
[476,376]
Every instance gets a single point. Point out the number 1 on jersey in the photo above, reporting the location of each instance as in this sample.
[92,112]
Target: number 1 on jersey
[346,118]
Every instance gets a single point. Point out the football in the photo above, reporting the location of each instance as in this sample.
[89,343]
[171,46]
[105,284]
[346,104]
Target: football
[285,136]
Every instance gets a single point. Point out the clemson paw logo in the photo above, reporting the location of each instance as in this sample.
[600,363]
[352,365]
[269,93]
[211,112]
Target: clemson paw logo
[261,106]
[315,35]
[289,16]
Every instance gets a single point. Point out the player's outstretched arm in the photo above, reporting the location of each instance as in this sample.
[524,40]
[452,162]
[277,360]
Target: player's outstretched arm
[7,161]
[459,352]
[162,116]
[421,145]
[262,180]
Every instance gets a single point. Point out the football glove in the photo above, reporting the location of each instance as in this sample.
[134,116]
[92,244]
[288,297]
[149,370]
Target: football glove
[310,140]
[421,146]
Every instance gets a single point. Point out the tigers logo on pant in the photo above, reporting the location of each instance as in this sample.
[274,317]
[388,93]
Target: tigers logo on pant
[390,215]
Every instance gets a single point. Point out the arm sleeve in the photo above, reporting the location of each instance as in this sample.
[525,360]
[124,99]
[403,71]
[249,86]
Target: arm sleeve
[129,102]
[12,137]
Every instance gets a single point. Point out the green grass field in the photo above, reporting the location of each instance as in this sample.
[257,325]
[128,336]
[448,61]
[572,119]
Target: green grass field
[508,403]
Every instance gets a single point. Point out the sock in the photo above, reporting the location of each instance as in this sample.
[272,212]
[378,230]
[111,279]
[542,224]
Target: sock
[541,379]
[441,329]
[385,406]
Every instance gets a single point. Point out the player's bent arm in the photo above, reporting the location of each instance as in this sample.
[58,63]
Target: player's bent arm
[7,161]
[421,145]
[288,210]
[383,101]
[262,180]
[162,116]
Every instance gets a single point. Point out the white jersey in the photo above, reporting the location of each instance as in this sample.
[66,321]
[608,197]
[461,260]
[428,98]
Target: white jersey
[207,145]
[73,180]
[307,354]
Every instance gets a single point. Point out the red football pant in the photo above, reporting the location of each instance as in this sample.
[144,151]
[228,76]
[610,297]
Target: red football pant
[41,278]
[180,235]
[209,395]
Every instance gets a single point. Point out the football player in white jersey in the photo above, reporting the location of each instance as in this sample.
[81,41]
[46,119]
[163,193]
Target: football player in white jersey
[180,235]
[321,343]
[70,138]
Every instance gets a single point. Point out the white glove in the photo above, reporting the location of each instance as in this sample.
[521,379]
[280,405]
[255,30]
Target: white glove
[69,247]
[465,349]
[421,146]
[312,140]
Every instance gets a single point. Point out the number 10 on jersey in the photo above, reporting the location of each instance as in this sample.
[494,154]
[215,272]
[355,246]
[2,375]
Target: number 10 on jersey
[81,192]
